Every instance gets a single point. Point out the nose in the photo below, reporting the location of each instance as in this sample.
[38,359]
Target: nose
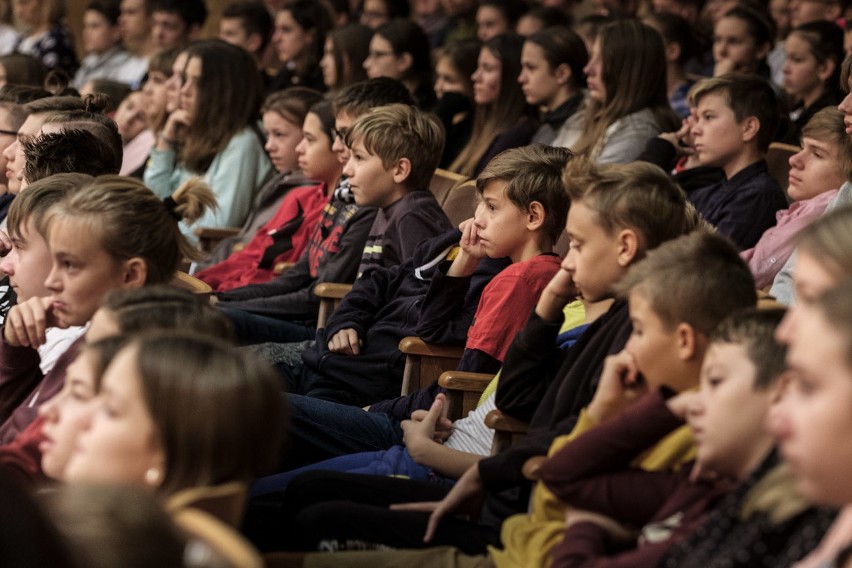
[52,282]
[300,147]
[348,170]
[785,330]
[796,160]
[48,410]
[9,152]
[845,105]
[777,421]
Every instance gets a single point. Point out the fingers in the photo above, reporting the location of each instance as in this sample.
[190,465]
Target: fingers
[26,323]
[345,341]
[421,507]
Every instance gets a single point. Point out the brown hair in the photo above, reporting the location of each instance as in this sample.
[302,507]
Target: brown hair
[130,221]
[639,196]
[228,99]
[236,426]
[532,173]
[634,79]
[696,279]
[398,131]
[827,126]
[292,103]
[34,203]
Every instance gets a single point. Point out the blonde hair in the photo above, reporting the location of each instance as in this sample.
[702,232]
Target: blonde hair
[130,221]
[829,241]
[827,126]
[398,131]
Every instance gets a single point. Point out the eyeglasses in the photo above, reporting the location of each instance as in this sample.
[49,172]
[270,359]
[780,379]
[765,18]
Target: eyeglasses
[9,132]
[339,133]
[377,54]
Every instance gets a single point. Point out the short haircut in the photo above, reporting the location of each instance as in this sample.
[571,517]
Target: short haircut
[109,9]
[696,279]
[400,131]
[192,12]
[754,329]
[638,196]
[115,92]
[361,97]
[746,95]
[561,45]
[532,173]
[254,17]
[21,95]
[40,196]
[827,126]
[162,61]
[69,151]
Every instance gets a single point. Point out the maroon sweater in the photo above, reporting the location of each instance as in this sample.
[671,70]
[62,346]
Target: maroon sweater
[594,473]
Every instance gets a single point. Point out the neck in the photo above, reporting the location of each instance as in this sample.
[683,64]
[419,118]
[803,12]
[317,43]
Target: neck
[559,99]
[760,448]
[741,162]
[536,245]
[331,184]
[811,97]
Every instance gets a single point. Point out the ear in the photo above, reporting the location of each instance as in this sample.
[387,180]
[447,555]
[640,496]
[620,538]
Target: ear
[402,170]
[750,127]
[628,247]
[687,341]
[563,74]
[404,62]
[535,216]
[194,32]
[672,51]
[763,50]
[135,273]
[253,43]
[825,69]
[309,36]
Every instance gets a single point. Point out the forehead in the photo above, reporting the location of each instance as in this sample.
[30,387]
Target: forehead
[731,26]
[725,356]
[494,189]
[231,24]
[343,120]
[714,101]
[583,220]
[170,18]
[487,56]
[33,124]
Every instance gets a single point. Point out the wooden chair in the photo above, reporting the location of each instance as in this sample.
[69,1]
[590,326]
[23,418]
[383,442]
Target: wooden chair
[461,202]
[330,295]
[210,237]
[778,159]
[226,502]
[442,183]
[425,362]
[186,282]
[222,539]
[507,430]
[464,390]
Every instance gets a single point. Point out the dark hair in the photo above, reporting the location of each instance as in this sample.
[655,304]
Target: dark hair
[825,40]
[22,69]
[563,46]
[512,10]
[311,15]
[361,97]
[350,45]
[163,61]
[116,91]
[696,279]
[492,119]
[254,17]
[746,95]
[69,151]
[676,29]
[229,96]
[462,55]
[165,307]
[759,24]
[322,110]
[54,104]
[21,94]
[405,36]
[192,12]
[549,16]
[754,329]
[225,387]
[109,9]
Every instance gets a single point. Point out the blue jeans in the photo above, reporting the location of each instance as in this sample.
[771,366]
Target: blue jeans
[320,430]
[252,329]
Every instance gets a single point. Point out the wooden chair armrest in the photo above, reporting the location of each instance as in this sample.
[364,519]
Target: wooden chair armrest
[505,423]
[530,469]
[280,267]
[216,232]
[415,346]
[464,381]
[332,290]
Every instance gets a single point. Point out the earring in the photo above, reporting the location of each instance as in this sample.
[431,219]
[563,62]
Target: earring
[152,476]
